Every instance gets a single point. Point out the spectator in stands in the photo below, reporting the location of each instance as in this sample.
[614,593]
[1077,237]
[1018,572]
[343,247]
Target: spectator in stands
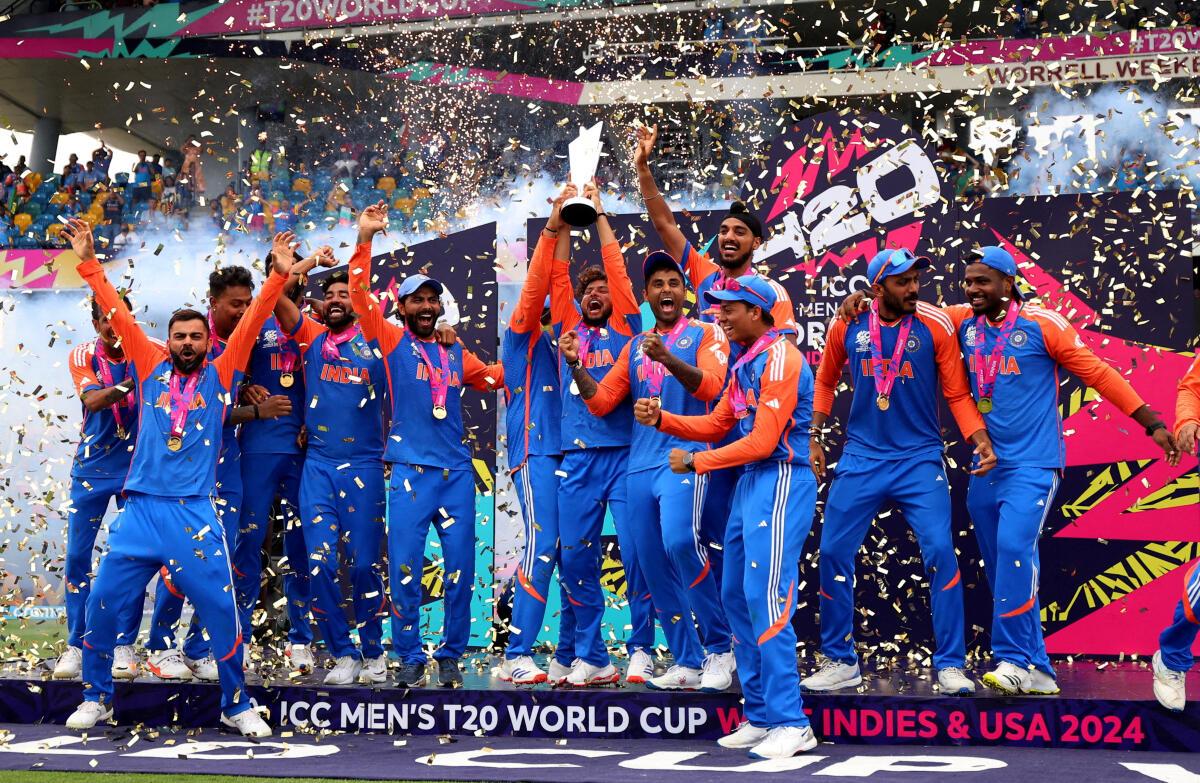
[143,175]
[102,157]
[127,242]
[260,163]
[4,168]
[71,172]
[156,164]
[255,211]
[170,193]
[345,165]
[89,177]
[191,171]
[229,204]
[113,211]
[285,217]
[20,168]
[71,207]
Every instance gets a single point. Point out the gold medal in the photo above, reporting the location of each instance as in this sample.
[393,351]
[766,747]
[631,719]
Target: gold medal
[439,412]
[882,402]
[121,433]
[286,380]
[984,404]
[174,443]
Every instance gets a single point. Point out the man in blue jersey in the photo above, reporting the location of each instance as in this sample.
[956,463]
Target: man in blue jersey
[902,359]
[681,365]
[432,480]
[170,517]
[533,419]
[101,376]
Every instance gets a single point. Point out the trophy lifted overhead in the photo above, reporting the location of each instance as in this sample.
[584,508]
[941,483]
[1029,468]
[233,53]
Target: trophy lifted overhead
[584,155]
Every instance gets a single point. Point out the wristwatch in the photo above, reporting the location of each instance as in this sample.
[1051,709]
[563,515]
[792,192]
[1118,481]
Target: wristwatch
[575,365]
[689,461]
[1155,427]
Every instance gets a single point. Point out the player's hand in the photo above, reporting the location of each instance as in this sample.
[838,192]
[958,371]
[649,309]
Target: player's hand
[591,191]
[985,457]
[677,460]
[555,222]
[372,220]
[816,459]
[275,406]
[1166,441]
[568,346]
[647,411]
[79,234]
[857,302]
[323,256]
[283,252]
[445,335]
[302,438]
[654,348]
[254,394]
[1187,438]
[647,135]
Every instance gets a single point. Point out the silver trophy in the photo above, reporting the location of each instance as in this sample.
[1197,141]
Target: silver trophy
[584,155]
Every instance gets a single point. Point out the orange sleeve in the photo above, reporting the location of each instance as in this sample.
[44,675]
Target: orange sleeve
[957,314]
[777,402]
[1187,406]
[829,371]
[697,266]
[784,312]
[306,332]
[138,348]
[563,310]
[366,305]
[1065,347]
[952,372]
[83,377]
[712,359]
[709,428]
[480,376]
[620,287]
[613,388]
[527,316]
[245,334]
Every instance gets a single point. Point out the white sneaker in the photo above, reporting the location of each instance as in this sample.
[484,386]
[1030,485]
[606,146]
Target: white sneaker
[1040,684]
[248,723]
[1007,678]
[584,675]
[744,736]
[677,678]
[559,672]
[1170,686]
[832,675]
[953,681]
[640,667]
[302,658]
[374,670]
[168,665]
[69,665]
[344,672]
[125,663]
[87,715]
[783,742]
[521,671]
[718,671]
[204,669]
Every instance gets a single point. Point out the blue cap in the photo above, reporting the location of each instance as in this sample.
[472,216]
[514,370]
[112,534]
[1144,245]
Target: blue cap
[999,259]
[413,282]
[893,262]
[659,259]
[751,289]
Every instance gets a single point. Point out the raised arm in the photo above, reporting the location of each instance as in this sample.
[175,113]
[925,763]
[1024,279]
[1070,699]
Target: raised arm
[480,376]
[375,327]
[286,311]
[241,342]
[708,428]
[527,316]
[656,204]
[141,351]
[620,287]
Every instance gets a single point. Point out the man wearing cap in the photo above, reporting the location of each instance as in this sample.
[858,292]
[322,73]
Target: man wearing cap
[432,479]
[768,404]
[902,358]
[1014,352]
[533,417]
[680,366]
[603,314]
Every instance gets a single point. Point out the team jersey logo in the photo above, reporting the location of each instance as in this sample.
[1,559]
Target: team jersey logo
[912,344]
[970,339]
[362,350]
[683,342]
[862,342]
[1018,339]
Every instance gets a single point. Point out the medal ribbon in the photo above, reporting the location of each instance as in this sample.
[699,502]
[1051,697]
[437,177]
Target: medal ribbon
[587,335]
[289,354]
[988,369]
[886,379]
[181,400]
[329,348]
[737,397]
[104,368]
[654,372]
[439,377]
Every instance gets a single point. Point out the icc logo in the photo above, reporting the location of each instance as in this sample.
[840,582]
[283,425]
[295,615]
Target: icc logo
[862,342]
[970,336]
[684,342]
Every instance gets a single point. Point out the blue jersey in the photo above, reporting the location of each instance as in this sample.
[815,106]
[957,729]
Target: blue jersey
[706,275]
[102,452]
[533,396]
[930,366]
[345,399]
[698,344]
[273,350]
[231,450]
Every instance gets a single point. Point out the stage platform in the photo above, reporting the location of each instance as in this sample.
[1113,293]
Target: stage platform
[1103,705]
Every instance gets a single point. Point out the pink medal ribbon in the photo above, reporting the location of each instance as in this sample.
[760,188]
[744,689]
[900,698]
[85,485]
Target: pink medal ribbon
[885,379]
[587,335]
[439,377]
[653,371]
[737,397]
[104,368]
[181,402]
[329,348]
[987,369]
[218,347]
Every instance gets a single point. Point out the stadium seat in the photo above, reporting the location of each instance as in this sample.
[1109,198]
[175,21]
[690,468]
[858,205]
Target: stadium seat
[22,220]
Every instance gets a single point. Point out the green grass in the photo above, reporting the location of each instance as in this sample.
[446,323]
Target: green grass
[108,777]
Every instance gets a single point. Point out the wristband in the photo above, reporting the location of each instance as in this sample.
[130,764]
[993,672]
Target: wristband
[1155,427]
[257,415]
[648,199]
[575,365]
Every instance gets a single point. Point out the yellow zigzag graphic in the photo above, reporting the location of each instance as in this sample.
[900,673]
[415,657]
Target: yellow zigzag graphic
[1079,398]
[1137,570]
[14,264]
[1180,492]
[1104,484]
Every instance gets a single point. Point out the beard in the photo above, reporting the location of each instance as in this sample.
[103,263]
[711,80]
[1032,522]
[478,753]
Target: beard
[423,328]
[186,366]
[341,321]
[734,263]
